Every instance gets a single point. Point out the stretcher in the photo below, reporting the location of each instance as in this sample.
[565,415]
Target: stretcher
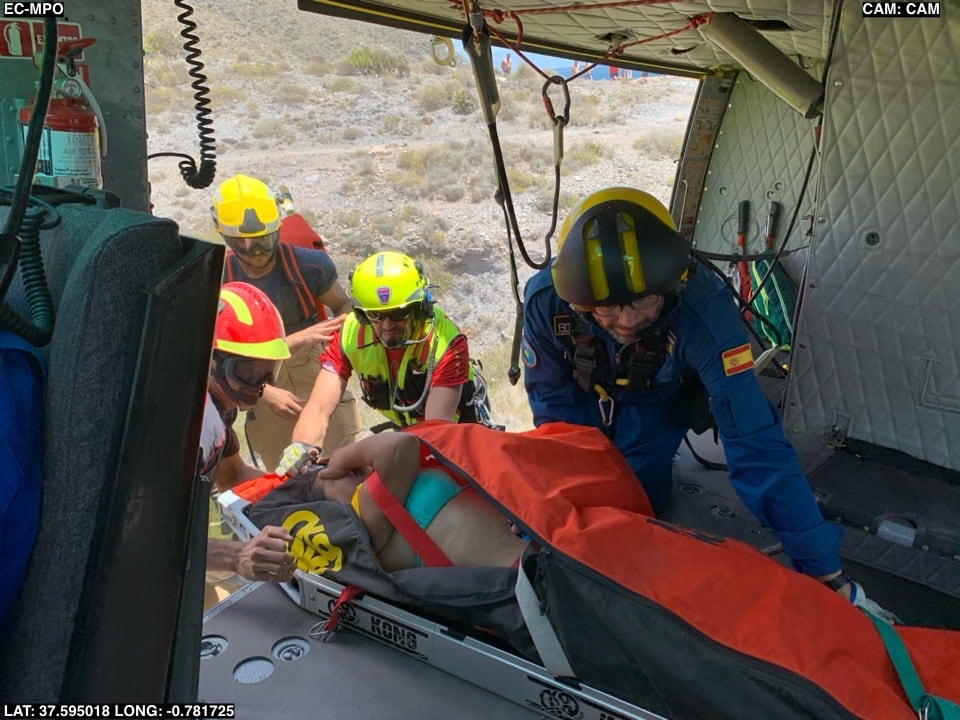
[685,624]
[472,659]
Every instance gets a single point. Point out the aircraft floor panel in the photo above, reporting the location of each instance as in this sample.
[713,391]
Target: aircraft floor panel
[350,677]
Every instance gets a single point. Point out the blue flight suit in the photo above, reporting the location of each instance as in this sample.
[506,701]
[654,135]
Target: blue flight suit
[22,383]
[649,425]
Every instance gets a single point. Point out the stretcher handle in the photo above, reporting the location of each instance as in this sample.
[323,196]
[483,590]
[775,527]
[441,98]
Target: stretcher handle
[743,222]
[773,218]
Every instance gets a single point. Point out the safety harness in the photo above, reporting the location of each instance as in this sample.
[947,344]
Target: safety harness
[309,309]
[404,396]
[635,365]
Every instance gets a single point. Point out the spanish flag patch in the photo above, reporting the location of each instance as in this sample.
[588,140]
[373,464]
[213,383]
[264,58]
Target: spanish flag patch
[737,359]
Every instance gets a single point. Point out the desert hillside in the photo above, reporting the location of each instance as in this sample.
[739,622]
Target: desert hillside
[383,148]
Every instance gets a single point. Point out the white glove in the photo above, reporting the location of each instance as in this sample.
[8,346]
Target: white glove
[296,457]
[859,598]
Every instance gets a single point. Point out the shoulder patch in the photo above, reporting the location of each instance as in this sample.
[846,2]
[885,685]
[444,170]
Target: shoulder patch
[562,325]
[527,354]
[737,360]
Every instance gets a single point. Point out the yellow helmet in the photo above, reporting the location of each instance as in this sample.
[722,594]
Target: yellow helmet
[245,207]
[618,244]
[386,281]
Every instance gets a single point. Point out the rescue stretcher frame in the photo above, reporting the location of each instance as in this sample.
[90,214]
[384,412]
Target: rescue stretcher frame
[502,673]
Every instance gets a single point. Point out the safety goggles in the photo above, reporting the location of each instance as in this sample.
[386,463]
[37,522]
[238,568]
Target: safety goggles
[249,373]
[609,312]
[251,245]
[396,315]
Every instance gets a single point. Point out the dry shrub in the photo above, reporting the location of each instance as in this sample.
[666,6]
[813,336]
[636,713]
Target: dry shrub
[224,94]
[292,94]
[659,144]
[257,69]
[583,155]
[424,159]
[340,84]
[316,67]
[438,95]
[269,128]
[376,61]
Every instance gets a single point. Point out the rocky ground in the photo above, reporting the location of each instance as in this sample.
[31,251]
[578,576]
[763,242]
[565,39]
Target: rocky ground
[384,158]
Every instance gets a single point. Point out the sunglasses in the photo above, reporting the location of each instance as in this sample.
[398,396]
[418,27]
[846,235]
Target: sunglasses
[251,245]
[396,315]
[609,312]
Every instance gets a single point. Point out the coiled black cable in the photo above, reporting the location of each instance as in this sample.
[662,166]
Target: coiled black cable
[20,237]
[203,176]
[39,329]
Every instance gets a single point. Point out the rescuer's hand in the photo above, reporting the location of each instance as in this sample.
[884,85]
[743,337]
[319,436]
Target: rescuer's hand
[296,457]
[859,598]
[265,556]
[321,332]
[283,403]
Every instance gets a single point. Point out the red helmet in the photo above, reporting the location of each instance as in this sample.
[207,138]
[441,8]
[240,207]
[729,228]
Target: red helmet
[248,324]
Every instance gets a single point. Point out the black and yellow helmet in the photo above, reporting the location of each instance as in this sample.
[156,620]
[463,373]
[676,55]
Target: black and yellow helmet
[617,245]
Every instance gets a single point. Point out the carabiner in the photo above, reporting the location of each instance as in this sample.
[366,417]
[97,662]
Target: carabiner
[319,632]
[563,118]
[606,405]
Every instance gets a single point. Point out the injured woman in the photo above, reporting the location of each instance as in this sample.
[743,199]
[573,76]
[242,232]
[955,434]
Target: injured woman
[677,621]
[466,528]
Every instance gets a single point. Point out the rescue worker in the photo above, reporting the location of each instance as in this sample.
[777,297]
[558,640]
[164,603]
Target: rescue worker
[248,348]
[411,360]
[302,283]
[624,332]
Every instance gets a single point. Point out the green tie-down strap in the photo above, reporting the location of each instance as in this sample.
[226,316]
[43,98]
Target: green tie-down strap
[776,302]
[928,707]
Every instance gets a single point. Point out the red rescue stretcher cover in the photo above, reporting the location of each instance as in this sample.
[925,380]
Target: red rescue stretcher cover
[674,620]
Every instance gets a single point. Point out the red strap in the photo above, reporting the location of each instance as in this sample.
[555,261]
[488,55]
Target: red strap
[423,545]
[288,263]
[346,595]
[228,267]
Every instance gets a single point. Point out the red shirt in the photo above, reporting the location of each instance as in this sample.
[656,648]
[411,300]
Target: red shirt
[451,370]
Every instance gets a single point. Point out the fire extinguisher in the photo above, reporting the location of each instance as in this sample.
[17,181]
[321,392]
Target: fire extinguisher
[73,139]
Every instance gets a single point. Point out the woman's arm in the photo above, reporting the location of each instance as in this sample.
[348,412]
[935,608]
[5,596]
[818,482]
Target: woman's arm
[395,457]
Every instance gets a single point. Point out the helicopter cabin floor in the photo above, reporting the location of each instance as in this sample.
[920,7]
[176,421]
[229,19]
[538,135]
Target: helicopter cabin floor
[900,520]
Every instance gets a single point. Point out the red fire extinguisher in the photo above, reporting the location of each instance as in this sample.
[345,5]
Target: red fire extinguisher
[73,140]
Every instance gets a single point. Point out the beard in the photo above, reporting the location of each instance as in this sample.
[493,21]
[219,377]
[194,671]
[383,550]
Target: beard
[256,263]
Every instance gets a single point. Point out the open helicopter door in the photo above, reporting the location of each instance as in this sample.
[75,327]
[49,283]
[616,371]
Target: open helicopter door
[126,377]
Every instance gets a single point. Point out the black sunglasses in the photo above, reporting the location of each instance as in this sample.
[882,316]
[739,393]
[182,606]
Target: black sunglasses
[396,315]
